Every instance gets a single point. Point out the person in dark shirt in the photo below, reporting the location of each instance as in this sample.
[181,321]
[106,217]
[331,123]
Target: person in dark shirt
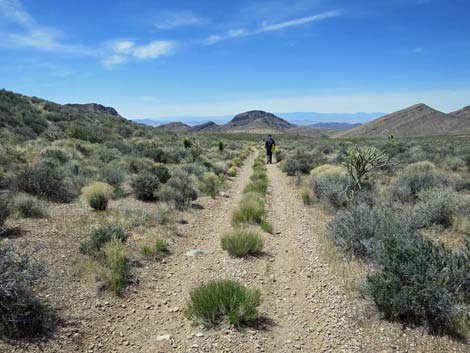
[269,144]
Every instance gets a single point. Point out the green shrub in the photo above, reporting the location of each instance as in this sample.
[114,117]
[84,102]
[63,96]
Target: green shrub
[210,184]
[221,146]
[29,207]
[360,230]
[21,313]
[242,243]
[100,237]
[164,214]
[55,154]
[332,188]
[220,300]
[422,283]
[46,182]
[437,207]
[157,250]
[162,173]
[232,172]
[250,211]
[455,163]
[114,270]
[279,155]
[180,190]
[5,209]
[112,174]
[302,161]
[415,178]
[145,186]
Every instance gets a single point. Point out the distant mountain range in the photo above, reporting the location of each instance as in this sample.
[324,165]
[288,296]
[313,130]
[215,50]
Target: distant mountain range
[417,120]
[296,118]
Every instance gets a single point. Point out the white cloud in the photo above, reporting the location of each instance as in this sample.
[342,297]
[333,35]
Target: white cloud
[270,27]
[171,20]
[154,49]
[124,50]
[31,34]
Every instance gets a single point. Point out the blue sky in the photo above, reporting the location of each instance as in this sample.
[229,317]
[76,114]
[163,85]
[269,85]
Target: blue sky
[207,58]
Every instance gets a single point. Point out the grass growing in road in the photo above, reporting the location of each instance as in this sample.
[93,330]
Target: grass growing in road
[242,243]
[219,300]
[251,210]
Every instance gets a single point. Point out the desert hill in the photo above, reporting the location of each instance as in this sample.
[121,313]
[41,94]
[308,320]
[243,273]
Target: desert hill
[174,127]
[257,120]
[417,120]
[210,126]
[27,117]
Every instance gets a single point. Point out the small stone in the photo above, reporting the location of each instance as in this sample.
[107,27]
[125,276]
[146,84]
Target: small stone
[195,252]
[164,338]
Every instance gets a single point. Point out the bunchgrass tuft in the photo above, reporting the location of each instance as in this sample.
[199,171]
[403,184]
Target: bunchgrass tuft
[251,210]
[157,250]
[242,243]
[114,272]
[220,300]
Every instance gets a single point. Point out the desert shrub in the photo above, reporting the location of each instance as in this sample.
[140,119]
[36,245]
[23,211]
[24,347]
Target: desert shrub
[221,146]
[302,161]
[5,209]
[162,173]
[360,230]
[328,168]
[100,237]
[97,195]
[251,210]
[164,214]
[232,172]
[209,184]
[415,178]
[157,250]
[455,163]
[331,187]
[29,207]
[219,300]
[258,183]
[46,182]
[114,271]
[237,162]
[55,154]
[279,155]
[180,190]
[437,207]
[242,243]
[145,186]
[462,183]
[423,283]
[187,142]
[195,169]
[21,313]
[112,174]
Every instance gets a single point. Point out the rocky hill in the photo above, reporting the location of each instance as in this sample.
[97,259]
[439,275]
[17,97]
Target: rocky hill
[463,113]
[210,126]
[417,120]
[95,108]
[257,120]
[174,127]
[24,117]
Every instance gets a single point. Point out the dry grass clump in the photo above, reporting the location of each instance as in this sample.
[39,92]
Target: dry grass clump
[157,250]
[114,271]
[98,195]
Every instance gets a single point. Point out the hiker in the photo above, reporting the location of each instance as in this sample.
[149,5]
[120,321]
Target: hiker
[270,147]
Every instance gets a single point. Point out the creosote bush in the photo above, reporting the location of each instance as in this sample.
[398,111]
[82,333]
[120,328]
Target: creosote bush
[101,237]
[210,184]
[97,195]
[145,186]
[219,300]
[331,186]
[242,243]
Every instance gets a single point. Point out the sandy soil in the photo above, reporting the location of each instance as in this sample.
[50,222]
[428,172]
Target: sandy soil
[306,306]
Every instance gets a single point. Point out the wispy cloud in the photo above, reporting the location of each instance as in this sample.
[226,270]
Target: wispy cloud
[171,20]
[266,27]
[29,33]
[124,50]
